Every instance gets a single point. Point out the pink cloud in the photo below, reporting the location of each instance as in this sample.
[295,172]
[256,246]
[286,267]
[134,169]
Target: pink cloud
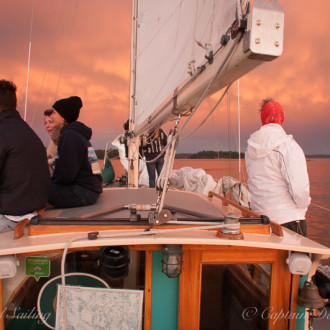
[84,50]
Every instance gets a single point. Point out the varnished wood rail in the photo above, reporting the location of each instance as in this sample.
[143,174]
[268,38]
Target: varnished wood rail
[276,228]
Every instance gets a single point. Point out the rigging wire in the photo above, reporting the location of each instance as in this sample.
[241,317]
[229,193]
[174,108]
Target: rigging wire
[194,31]
[234,45]
[66,48]
[29,61]
[241,174]
[201,123]
[321,207]
[193,111]
[239,132]
[160,28]
[212,22]
[48,57]
[228,130]
[178,8]
[214,128]
[178,24]
[209,113]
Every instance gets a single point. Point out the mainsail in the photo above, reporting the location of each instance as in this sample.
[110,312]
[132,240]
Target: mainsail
[185,50]
[180,45]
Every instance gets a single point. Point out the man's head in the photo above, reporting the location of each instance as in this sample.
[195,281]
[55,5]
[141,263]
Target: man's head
[8,100]
[68,108]
[271,112]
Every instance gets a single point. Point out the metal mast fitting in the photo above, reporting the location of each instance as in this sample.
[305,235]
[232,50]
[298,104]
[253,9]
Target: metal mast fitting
[265,27]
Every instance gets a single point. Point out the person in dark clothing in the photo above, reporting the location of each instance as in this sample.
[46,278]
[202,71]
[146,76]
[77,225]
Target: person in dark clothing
[24,174]
[126,128]
[156,142]
[77,179]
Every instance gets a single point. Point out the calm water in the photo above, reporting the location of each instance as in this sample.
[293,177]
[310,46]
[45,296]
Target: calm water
[318,219]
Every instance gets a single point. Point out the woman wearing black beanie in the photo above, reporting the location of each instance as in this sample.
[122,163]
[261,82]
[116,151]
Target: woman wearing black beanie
[77,179]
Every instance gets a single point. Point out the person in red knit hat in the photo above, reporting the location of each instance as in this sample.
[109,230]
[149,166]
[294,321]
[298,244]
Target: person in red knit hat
[277,171]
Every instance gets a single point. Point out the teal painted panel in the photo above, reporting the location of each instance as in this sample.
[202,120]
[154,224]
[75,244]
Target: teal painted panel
[164,300]
[300,323]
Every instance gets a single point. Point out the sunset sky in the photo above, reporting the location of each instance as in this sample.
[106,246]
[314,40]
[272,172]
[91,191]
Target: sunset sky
[83,48]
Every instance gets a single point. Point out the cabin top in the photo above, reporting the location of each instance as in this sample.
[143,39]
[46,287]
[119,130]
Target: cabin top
[118,221]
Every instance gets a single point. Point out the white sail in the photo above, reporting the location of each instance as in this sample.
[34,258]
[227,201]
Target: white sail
[185,50]
[171,39]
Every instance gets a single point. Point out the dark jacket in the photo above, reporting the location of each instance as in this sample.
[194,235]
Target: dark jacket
[24,174]
[155,145]
[76,162]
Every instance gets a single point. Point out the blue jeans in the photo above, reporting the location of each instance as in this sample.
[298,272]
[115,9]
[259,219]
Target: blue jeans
[152,168]
[6,225]
[63,196]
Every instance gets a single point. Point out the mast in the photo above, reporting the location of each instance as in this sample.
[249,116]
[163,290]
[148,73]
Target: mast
[29,61]
[133,141]
[133,66]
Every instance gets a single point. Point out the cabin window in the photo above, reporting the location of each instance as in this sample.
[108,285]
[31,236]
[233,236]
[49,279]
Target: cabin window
[235,296]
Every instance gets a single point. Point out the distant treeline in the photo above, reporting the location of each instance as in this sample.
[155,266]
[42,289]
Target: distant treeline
[225,154]
[209,154]
[205,154]
[317,156]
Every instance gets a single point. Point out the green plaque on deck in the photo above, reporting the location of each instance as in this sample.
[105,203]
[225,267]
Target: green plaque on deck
[37,267]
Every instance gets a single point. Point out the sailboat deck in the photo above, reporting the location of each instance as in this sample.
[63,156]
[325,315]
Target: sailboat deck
[113,197]
[113,212]
[52,238]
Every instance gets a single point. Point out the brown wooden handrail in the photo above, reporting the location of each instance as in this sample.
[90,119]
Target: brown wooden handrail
[102,212]
[276,228]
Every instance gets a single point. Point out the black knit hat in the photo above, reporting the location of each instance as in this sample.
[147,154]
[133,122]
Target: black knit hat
[69,108]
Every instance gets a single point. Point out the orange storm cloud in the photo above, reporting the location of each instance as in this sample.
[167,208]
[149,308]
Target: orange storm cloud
[83,48]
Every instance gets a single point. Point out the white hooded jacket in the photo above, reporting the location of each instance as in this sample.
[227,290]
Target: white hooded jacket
[278,178]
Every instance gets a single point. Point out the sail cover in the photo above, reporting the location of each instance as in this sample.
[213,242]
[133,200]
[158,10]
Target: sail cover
[172,35]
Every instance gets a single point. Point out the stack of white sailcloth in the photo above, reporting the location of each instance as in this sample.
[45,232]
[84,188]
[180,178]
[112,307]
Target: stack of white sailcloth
[196,180]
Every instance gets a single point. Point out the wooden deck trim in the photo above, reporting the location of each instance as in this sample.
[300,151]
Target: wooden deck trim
[256,229]
[293,301]
[225,201]
[156,247]
[148,291]
[190,290]
[237,254]
[35,230]
[280,293]
[2,311]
